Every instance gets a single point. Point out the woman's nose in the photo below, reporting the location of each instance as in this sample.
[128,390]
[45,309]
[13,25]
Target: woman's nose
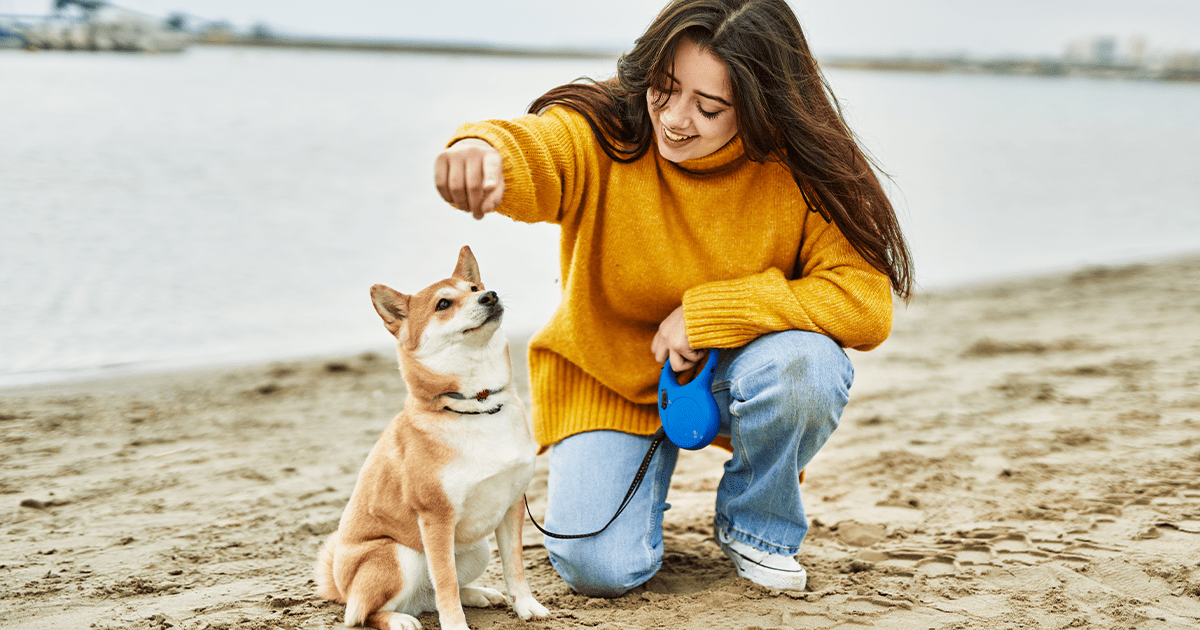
[673,115]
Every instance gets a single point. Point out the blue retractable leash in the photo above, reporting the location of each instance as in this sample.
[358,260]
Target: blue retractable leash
[688,412]
[690,419]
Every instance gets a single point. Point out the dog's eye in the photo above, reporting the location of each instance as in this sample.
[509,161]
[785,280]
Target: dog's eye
[474,289]
[443,304]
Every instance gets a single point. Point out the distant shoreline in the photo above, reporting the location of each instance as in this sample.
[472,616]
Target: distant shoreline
[1048,67]
[401,46]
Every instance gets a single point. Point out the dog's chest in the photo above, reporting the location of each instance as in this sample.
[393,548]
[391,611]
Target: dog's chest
[492,468]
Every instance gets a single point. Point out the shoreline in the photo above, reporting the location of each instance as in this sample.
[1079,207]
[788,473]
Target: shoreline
[1183,70]
[168,369]
[1023,453]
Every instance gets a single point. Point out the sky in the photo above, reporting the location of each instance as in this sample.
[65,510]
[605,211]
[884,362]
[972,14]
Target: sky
[834,27]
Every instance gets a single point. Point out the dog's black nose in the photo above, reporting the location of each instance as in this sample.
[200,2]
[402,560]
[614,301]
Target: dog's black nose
[489,298]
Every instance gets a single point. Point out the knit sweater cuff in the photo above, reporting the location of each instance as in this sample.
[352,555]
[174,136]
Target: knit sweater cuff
[732,313]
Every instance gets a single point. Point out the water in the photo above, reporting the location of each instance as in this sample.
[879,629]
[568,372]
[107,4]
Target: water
[237,204]
[1006,175]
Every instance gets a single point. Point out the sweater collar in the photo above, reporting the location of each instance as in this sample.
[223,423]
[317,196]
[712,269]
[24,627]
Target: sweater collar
[730,154]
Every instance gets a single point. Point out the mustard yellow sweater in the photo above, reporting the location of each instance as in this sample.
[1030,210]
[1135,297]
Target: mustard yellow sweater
[720,234]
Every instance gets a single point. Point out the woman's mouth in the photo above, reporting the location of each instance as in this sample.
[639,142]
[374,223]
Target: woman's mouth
[675,138]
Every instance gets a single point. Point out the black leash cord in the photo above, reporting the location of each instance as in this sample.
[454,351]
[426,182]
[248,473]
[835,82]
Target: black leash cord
[659,436]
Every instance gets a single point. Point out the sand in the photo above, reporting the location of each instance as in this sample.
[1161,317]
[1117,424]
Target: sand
[1023,454]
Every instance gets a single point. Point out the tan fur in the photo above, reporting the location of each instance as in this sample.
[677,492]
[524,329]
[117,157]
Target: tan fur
[437,482]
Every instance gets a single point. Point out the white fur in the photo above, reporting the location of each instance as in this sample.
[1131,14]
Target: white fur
[481,365]
[418,595]
[491,469]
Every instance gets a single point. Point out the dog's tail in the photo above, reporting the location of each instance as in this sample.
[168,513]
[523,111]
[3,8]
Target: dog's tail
[326,584]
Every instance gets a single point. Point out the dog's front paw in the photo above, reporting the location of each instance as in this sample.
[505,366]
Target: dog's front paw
[480,597]
[528,608]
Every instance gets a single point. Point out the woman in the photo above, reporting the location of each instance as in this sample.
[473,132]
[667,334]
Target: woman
[709,196]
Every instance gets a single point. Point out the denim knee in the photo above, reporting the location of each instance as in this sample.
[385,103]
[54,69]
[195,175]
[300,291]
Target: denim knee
[804,373]
[598,570]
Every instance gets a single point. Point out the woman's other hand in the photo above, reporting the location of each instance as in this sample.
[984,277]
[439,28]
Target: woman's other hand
[470,176]
[671,342]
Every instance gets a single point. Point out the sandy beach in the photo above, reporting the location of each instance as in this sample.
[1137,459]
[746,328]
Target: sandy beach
[1020,454]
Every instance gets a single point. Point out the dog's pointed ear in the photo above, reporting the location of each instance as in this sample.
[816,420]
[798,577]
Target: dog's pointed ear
[467,268]
[392,307]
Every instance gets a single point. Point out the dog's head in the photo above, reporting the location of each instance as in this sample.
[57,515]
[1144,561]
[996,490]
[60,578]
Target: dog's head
[454,312]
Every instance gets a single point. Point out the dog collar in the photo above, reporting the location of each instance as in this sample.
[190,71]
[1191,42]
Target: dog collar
[480,396]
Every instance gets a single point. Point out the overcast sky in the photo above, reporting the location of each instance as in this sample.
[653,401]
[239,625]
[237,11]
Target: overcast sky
[979,27]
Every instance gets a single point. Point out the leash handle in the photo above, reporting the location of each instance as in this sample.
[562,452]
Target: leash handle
[689,413]
[659,436]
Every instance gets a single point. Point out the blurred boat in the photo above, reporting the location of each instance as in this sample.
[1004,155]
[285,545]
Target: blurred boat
[94,25]
[10,37]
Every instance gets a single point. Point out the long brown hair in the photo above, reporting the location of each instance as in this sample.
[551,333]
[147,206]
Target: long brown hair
[784,107]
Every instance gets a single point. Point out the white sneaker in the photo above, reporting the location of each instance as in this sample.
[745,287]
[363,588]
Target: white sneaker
[772,570]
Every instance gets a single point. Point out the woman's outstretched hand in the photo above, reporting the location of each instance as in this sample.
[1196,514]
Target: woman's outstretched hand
[470,176]
[671,342]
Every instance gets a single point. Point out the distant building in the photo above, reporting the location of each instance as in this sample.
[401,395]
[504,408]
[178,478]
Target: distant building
[1097,51]
[1137,50]
[1104,50]
[94,25]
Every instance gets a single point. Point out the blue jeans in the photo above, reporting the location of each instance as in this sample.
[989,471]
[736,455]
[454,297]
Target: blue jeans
[780,397]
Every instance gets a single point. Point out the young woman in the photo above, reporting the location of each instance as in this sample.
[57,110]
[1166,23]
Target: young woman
[709,196]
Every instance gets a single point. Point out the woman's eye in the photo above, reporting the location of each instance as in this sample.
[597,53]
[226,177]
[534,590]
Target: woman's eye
[706,114]
[443,304]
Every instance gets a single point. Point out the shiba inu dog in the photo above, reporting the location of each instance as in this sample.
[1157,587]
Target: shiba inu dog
[450,469]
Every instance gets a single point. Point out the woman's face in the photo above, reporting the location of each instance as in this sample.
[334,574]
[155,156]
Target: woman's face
[693,114]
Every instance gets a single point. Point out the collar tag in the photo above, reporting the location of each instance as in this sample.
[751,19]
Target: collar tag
[480,396]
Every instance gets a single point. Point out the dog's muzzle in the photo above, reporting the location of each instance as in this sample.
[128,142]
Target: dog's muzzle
[492,302]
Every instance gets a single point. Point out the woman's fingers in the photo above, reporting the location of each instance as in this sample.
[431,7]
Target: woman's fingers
[670,343]
[473,177]
[469,175]
[680,363]
[493,181]
[441,176]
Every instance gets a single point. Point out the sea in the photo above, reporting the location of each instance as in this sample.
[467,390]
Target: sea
[232,205]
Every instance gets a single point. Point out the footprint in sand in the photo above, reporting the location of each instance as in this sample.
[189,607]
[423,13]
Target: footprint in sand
[908,561]
[974,553]
[1016,547]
